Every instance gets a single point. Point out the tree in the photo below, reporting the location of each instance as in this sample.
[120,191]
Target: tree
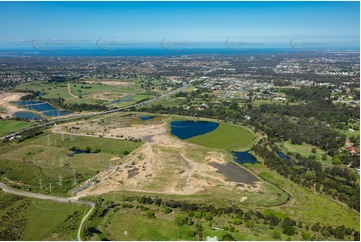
[340,232]
[208,216]
[249,224]
[227,237]
[88,149]
[199,231]
[274,221]
[324,156]
[287,222]
[316,227]
[289,230]
[237,221]
[181,220]
[306,235]
[150,214]
[198,215]
[276,235]
[356,236]
[167,210]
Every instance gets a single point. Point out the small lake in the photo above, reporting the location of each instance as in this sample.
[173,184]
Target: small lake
[244,157]
[285,157]
[28,115]
[122,100]
[188,129]
[145,118]
[44,108]
[77,152]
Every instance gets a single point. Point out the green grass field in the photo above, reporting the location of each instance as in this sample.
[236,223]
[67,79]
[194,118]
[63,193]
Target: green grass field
[227,137]
[139,227]
[308,206]
[305,150]
[10,126]
[92,93]
[46,158]
[45,220]
[133,224]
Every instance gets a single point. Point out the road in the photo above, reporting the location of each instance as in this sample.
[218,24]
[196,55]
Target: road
[55,199]
[98,113]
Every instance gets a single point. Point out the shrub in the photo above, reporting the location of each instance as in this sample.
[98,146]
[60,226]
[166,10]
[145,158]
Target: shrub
[127,205]
[181,220]
[276,234]
[198,215]
[237,221]
[150,214]
[289,230]
[249,224]
[231,228]
[208,216]
[227,237]
[316,227]
[306,235]
[167,210]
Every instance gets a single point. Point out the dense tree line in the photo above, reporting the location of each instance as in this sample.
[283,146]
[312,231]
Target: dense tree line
[308,94]
[321,110]
[30,133]
[297,130]
[337,182]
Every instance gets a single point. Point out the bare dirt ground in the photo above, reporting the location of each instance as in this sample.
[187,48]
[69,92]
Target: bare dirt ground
[164,164]
[108,96]
[112,83]
[6,108]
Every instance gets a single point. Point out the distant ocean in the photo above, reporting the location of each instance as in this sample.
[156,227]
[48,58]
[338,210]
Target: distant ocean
[137,52]
[32,52]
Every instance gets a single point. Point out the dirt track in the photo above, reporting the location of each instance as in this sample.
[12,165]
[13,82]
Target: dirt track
[69,91]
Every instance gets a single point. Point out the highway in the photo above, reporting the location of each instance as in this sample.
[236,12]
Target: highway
[52,198]
[98,113]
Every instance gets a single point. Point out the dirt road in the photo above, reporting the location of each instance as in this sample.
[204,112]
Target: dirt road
[69,91]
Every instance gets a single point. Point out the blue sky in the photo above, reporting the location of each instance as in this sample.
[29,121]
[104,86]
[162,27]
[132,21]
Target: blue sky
[271,22]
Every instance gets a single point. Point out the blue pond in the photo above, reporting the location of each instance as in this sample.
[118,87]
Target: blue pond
[44,108]
[189,129]
[244,157]
[77,152]
[28,115]
[125,99]
[284,157]
[145,118]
